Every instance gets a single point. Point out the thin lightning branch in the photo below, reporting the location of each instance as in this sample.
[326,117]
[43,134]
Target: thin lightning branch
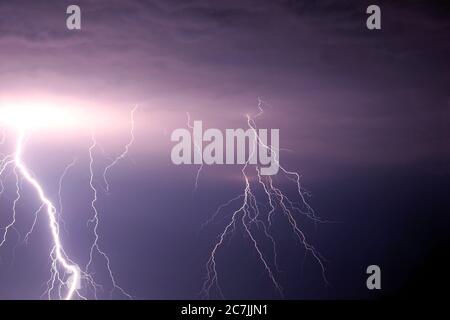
[95,221]
[5,162]
[124,153]
[60,184]
[250,217]
[198,150]
[36,214]
[220,208]
[260,108]
[16,200]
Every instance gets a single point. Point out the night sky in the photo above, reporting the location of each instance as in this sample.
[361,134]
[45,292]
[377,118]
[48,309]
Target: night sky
[364,116]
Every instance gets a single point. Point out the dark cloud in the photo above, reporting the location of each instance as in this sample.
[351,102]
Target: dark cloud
[313,59]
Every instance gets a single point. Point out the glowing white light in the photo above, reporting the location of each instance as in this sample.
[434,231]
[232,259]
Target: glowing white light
[69,267]
[28,118]
[37,116]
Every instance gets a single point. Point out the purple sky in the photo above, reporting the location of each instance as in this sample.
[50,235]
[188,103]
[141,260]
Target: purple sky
[337,89]
[349,102]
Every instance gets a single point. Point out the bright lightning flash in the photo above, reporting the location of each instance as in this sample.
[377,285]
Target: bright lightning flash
[66,275]
[37,116]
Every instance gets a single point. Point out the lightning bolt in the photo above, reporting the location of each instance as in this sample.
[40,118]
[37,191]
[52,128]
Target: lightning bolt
[60,185]
[66,277]
[125,151]
[256,222]
[95,248]
[59,258]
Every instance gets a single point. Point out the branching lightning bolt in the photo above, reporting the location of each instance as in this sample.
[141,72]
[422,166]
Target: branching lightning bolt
[65,275]
[60,260]
[251,218]
[95,221]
